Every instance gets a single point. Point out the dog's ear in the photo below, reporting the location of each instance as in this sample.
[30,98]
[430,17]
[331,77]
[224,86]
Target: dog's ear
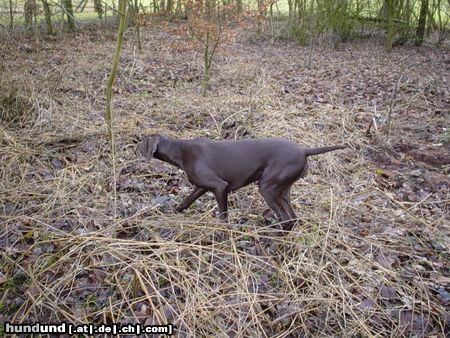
[148,146]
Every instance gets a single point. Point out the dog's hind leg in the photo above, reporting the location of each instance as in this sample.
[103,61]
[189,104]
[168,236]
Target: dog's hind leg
[272,196]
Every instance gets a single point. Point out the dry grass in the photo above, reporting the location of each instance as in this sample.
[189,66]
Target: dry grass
[361,260]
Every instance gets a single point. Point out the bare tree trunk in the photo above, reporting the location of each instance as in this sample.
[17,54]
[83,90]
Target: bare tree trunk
[420,32]
[28,12]
[35,13]
[239,6]
[11,15]
[112,75]
[68,7]
[98,8]
[211,42]
[311,33]
[137,23]
[261,16]
[389,25]
[134,7]
[81,6]
[291,7]
[109,84]
[178,9]
[48,17]
[207,69]
[169,6]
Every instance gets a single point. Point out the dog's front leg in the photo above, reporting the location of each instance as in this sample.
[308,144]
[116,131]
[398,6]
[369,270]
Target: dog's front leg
[221,195]
[193,196]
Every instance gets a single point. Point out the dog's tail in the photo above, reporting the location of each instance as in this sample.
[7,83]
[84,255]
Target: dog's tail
[321,150]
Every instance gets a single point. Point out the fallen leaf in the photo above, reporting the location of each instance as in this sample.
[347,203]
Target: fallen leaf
[387,292]
[412,322]
[367,304]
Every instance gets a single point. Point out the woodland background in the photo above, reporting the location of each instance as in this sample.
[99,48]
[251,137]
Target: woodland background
[87,228]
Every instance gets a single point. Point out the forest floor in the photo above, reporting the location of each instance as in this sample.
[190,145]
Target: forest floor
[369,255]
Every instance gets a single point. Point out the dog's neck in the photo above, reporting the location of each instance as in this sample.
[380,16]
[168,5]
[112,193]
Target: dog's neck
[170,151]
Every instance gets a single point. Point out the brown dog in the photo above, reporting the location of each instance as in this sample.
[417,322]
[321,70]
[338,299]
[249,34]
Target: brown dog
[225,166]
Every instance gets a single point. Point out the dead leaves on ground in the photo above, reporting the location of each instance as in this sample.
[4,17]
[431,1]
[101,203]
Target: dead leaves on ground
[373,262]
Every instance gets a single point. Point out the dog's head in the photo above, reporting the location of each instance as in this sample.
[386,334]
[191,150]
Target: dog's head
[148,146]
